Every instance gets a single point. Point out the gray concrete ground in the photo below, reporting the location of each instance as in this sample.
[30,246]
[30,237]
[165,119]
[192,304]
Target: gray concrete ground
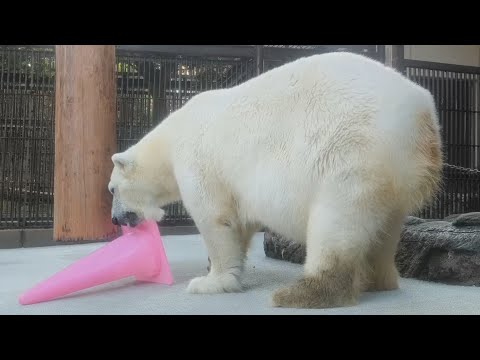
[22,268]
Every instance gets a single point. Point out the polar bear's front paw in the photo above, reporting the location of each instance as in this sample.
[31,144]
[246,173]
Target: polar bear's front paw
[214,284]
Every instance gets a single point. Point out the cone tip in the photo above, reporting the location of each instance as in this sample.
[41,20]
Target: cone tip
[24,299]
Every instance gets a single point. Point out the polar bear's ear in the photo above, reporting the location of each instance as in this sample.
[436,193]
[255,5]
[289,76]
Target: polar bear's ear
[121,160]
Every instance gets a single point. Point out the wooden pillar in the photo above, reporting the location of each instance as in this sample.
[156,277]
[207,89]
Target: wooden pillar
[85,140]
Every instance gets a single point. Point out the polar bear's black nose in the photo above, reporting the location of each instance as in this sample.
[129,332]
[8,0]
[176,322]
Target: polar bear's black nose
[131,218]
[115,221]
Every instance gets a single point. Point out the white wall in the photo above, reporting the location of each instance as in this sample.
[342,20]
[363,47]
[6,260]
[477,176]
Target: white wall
[450,54]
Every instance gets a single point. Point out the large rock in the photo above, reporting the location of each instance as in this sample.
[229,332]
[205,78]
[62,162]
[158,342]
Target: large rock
[445,251]
[469,219]
[442,251]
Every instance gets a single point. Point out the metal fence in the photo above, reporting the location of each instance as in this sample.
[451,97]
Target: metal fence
[153,81]
[27,101]
[277,55]
[457,96]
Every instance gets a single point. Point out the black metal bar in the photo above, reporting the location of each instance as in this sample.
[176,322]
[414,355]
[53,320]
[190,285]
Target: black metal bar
[441,66]
[245,51]
[455,94]
[465,123]
[42,166]
[287,54]
[259,58]
[14,205]
[23,117]
[49,47]
[49,162]
[191,50]
[3,136]
[381,53]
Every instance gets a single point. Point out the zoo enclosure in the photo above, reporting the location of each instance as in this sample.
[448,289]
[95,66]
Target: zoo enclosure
[153,81]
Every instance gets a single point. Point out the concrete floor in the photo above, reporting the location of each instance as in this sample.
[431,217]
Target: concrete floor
[22,268]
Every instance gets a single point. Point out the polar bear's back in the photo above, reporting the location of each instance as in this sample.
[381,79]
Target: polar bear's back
[337,103]
[274,138]
[326,84]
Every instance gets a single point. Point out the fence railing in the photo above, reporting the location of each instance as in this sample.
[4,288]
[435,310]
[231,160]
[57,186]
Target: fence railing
[153,81]
[457,96]
[27,102]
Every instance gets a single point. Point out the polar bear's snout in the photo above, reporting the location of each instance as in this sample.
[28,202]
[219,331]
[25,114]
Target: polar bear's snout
[128,218]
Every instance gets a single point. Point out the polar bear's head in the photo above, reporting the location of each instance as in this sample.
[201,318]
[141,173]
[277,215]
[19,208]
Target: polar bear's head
[140,187]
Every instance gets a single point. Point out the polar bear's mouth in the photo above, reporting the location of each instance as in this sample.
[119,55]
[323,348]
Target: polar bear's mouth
[127,219]
[132,219]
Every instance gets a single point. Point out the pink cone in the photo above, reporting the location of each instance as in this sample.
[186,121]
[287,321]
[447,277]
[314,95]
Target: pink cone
[139,252]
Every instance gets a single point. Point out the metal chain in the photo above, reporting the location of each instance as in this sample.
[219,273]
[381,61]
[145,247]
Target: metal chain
[462,168]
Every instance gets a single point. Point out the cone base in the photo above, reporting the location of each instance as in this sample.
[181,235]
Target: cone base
[139,253]
[163,278]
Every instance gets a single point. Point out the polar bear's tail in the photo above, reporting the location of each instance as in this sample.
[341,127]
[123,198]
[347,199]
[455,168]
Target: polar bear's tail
[429,162]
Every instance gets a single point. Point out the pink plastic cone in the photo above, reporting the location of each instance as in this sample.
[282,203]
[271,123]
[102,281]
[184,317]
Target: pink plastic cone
[139,252]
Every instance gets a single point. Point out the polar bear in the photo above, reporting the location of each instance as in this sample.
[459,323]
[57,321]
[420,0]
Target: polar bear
[332,150]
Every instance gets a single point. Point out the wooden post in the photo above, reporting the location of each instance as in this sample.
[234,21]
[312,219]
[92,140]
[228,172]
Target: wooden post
[85,140]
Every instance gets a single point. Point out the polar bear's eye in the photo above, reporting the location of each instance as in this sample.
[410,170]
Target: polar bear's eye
[112,190]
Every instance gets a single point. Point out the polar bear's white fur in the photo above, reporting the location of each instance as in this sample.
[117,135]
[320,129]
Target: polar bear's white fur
[333,150]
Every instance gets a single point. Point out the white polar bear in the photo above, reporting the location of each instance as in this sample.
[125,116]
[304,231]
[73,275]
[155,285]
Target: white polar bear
[333,150]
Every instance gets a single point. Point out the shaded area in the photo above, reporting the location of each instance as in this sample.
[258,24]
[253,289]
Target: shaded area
[445,251]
